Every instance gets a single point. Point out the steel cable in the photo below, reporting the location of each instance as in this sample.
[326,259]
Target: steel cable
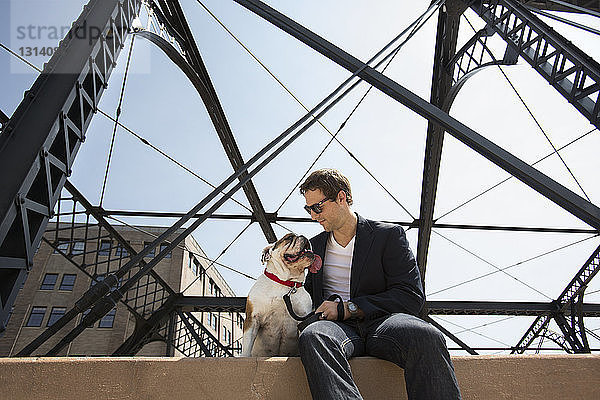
[118,115]
[510,177]
[167,156]
[476,333]
[498,269]
[512,265]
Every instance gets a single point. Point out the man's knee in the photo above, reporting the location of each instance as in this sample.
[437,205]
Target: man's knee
[431,336]
[313,334]
[322,335]
[306,338]
[417,332]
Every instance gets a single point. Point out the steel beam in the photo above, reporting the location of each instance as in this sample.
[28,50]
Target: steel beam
[238,304]
[3,120]
[40,141]
[445,47]
[516,308]
[591,7]
[533,178]
[452,336]
[272,217]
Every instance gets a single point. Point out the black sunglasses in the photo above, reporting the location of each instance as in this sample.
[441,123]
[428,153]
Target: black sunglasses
[317,207]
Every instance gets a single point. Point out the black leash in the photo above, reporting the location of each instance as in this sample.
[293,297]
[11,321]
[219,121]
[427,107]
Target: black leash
[312,316]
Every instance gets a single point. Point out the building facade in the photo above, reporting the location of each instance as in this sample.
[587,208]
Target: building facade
[69,261]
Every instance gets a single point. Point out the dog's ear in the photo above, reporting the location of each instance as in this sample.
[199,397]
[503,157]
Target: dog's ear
[266,254]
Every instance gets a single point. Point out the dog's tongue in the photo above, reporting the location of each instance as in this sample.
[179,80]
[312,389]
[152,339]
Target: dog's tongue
[316,264]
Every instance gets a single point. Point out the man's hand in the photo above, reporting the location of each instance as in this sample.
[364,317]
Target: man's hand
[329,310]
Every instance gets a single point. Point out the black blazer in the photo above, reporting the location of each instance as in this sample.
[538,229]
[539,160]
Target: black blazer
[384,278]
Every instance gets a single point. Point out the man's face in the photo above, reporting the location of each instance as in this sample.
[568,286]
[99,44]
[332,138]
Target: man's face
[329,217]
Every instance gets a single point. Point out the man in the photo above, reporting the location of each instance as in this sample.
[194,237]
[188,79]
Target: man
[370,265]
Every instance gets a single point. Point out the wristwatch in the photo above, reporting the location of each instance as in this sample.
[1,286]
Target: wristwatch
[353,308]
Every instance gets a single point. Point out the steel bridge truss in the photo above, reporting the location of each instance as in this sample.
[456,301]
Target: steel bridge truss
[40,141]
[77,221]
[571,299]
[42,137]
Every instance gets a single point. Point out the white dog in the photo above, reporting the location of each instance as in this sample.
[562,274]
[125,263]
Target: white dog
[269,330]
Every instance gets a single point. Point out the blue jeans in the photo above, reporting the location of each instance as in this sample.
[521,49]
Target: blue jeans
[407,341]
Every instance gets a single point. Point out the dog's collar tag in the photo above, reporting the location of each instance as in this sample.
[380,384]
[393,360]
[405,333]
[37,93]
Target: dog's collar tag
[273,277]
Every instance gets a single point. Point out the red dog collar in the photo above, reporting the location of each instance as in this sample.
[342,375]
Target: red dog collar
[274,277]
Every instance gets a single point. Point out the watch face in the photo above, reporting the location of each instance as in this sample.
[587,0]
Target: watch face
[352,307]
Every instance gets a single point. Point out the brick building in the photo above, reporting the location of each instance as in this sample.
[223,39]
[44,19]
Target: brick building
[55,284]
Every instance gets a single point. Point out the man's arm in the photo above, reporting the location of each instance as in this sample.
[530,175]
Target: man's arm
[403,289]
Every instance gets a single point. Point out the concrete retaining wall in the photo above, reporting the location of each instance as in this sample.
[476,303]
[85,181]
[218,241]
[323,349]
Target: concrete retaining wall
[480,377]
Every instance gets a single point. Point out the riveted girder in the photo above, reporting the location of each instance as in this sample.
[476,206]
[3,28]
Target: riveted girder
[567,68]
[40,141]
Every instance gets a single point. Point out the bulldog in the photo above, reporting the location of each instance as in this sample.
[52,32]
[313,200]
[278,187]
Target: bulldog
[269,330]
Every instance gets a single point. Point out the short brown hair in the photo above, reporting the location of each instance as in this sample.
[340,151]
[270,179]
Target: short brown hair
[330,181]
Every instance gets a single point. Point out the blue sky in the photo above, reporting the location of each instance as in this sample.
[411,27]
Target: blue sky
[162,106]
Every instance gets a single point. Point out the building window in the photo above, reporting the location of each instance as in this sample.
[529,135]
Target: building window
[214,289]
[194,264]
[62,245]
[78,247]
[36,317]
[68,282]
[105,247]
[240,321]
[152,252]
[121,251]
[213,320]
[164,246]
[108,320]
[226,335]
[55,315]
[49,282]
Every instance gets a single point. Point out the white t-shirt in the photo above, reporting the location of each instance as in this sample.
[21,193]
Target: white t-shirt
[336,268]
